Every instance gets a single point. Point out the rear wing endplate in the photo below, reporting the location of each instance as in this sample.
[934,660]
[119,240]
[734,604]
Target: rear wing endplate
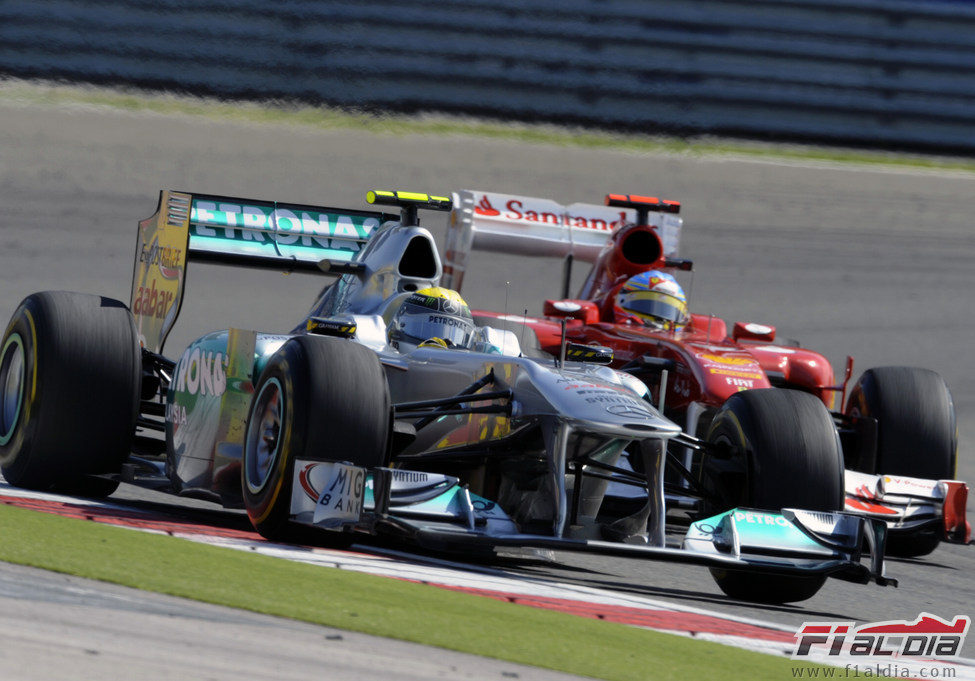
[507,223]
[287,237]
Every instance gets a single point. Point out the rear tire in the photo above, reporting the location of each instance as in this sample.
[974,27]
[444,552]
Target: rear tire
[70,382]
[318,398]
[916,434]
[788,448]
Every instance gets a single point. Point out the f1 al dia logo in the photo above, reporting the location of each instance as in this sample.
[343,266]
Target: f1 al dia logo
[928,637]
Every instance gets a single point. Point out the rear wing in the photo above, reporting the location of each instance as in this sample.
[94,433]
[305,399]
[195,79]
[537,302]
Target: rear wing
[506,223]
[288,237]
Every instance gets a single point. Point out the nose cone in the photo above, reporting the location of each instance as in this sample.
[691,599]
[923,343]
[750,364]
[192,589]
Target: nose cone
[607,407]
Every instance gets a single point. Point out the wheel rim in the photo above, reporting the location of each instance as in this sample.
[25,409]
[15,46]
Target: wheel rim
[263,436]
[12,369]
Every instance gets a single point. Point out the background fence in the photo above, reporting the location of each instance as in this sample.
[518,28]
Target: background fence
[886,73]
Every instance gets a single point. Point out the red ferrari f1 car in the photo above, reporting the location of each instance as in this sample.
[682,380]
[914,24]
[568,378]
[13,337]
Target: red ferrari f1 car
[896,426]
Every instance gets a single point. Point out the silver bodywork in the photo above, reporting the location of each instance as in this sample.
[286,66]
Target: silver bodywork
[489,447]
[576,410]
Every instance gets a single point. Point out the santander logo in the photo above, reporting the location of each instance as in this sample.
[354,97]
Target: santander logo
[515,210]
[484,207]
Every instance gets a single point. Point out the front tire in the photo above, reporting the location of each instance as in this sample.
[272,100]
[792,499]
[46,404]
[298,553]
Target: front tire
[318,398]
[916,434]
[787,449]
[70,382]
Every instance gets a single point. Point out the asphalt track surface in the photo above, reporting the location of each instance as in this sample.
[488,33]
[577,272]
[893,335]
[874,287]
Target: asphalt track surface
[110,633]
[877,263]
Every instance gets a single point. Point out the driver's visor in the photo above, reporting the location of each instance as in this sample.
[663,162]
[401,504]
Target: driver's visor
[429,324]
[655,304]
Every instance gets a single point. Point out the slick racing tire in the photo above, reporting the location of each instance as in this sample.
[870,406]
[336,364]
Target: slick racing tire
[787,449]
[916,434]
[318,398]
[70,383]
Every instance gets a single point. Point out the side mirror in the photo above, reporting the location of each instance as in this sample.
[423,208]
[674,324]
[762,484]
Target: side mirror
[753,332]
[593,354]
[340,327]
[584,310]
[497,342]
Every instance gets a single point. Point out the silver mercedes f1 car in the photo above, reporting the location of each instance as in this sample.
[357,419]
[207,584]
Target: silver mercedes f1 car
[387,412]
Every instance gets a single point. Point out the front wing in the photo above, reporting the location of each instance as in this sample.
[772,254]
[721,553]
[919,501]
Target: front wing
[436,511]
[911,505]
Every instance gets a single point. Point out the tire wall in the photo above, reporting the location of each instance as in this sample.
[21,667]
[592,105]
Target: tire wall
[874,72]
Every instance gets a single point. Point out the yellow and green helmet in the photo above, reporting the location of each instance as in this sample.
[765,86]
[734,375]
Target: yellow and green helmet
[429,313]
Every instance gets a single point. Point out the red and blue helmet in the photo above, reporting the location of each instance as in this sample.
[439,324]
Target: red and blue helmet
[656,299]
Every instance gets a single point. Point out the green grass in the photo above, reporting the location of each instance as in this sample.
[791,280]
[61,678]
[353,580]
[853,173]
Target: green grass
[369,604]
[270,112]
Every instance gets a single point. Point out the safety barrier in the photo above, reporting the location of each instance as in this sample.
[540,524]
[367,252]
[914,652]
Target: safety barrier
[875,72]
